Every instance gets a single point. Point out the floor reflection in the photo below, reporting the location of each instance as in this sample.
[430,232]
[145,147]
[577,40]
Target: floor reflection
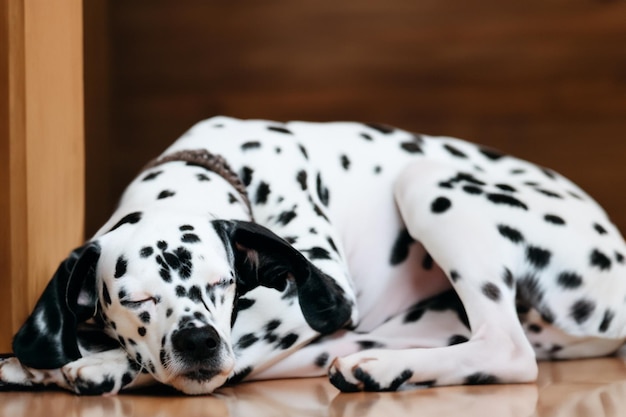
[564,389]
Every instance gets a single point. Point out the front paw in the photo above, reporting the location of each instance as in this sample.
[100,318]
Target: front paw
[15,376]
[361,373]
[99,375]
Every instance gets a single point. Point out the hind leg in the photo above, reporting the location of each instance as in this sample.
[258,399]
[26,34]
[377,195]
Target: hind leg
[435,322]
[460,233]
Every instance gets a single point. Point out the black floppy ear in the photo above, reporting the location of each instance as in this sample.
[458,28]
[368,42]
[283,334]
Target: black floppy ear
[48,339]
[262,258]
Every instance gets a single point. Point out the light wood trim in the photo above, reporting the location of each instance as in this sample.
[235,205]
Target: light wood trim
[41,149]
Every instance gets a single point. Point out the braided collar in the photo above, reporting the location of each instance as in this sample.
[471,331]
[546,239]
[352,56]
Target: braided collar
[210,162]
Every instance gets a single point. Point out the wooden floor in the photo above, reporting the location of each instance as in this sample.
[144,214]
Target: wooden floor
[587,388]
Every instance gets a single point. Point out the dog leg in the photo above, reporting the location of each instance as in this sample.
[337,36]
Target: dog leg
[466,245]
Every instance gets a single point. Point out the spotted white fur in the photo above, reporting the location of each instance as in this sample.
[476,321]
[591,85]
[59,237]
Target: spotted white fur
[405,260]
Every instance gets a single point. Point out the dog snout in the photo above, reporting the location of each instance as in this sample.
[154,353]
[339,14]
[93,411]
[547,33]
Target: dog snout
[196,344]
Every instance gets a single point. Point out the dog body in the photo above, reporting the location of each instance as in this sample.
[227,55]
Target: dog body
[382,258]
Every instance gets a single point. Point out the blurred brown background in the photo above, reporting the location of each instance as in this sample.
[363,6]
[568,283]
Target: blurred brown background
[543,79]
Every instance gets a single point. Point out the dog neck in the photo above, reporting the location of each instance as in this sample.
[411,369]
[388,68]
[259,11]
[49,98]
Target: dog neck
[210,162]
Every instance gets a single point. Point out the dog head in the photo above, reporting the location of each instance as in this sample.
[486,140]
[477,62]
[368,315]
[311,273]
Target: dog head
[166,290]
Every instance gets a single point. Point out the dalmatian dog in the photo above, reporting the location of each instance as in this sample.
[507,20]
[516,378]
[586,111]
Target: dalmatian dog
[384,259]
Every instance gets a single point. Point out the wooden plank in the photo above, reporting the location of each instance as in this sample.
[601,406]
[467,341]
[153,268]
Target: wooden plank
[41,163]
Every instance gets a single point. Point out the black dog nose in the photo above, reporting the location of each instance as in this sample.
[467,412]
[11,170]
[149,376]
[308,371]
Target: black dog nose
[198,343]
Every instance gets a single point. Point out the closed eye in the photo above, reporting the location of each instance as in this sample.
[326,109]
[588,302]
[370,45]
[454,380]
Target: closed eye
[138,303]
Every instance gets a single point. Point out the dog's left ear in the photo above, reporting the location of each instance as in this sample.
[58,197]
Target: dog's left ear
[48,338]
[261,258]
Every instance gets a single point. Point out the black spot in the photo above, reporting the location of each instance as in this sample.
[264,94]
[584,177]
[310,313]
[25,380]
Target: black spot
[186,228]
[600,260]
[569,280]
[142,331]
[288,341]
[582,310]
[195,294]
[246,175]
[345,162]
[253,144]
[548,173]
[131,218]
[384,129]
[262,192]
[331,242]
[317,253]
[457,339]
[232,199]
[529,290]
[190,238]
[273,325]
[120,267]
[280,129]
[322,360]
[491,291]
[601,230]
[322,191]
[244,303]
[551,218]
[480,378]
[246,341]
[575,195]
[181,291]
[401,247]
[508,278]
[427,262]
[517,171]
[146,251]
[609,315]
[302,177]
[454,276]
[106,296]
[510,233]
[538,257]
[338,380]
[169,312]
[369,344]
[619,257]
[411,147]
[304,152]
[440,205]
[202,177]
[548,193]
[454,151]
[534,328]
[505,199]
[165,194]
[472,189]
[402,378]
[414,314]
[490,153]
[506,187]
[152,175]
[367,136]
[165,275]
[240,376]
[286,216]
[144,317]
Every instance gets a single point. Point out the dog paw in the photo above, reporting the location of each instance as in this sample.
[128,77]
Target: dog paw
[13,375]
[362,373]
[98,375]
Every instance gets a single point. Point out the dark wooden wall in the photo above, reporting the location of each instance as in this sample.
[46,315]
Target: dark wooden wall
[543,79]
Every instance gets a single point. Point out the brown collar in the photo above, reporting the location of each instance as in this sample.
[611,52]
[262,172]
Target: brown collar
[210,162]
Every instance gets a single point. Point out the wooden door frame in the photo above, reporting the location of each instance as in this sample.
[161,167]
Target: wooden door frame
[41,149]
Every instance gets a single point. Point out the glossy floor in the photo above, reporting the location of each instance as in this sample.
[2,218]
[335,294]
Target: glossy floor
[589,388]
